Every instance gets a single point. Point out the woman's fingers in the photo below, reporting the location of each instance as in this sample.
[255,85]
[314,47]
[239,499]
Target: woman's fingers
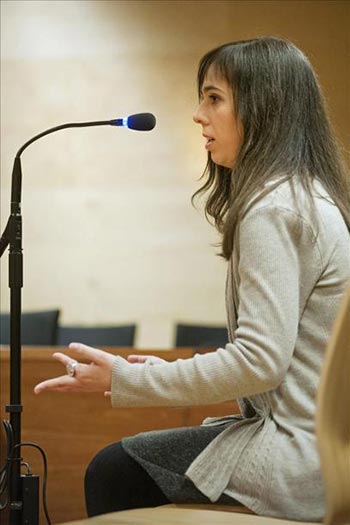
[137,358]
[58,384]
[88,352]
[147,359]
[62,358]
[93,377]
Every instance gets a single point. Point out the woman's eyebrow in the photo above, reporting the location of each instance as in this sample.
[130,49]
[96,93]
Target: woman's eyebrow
[211,87]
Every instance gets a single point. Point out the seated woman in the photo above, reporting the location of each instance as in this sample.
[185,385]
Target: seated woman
[278,196]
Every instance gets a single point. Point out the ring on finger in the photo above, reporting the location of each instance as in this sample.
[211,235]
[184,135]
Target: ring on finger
[71,366]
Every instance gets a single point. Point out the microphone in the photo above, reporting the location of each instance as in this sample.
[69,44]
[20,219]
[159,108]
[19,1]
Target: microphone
[138,122]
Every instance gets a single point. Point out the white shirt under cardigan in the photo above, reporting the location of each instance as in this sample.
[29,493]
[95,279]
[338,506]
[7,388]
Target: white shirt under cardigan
[285,283]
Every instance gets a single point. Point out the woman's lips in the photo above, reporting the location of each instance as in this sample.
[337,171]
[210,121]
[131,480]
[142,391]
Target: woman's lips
[209,142]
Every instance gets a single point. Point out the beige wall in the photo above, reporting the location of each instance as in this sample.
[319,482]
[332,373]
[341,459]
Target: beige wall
[109,232]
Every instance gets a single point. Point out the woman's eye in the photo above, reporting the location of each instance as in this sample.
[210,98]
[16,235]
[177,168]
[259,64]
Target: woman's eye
[214,98]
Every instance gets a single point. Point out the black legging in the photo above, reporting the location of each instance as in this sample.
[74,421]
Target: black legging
[115,481]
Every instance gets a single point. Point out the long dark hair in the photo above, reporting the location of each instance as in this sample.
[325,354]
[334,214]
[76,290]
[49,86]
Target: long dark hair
[286,131]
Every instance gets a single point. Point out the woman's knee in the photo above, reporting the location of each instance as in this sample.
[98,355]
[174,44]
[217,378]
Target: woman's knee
[104,465]
[115,481]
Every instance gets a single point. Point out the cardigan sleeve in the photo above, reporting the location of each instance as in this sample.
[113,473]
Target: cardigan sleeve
[277,269]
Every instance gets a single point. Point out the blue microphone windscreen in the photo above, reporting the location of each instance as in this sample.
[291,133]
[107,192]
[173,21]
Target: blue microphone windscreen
[141,121]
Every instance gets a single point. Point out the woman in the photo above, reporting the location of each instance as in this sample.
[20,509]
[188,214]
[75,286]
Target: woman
[278,196]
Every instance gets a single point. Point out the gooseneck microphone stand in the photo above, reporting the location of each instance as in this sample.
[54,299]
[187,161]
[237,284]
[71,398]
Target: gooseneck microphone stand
[12,237]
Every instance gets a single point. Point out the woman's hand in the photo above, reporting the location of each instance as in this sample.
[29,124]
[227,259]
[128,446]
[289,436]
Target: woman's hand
[146,359]
[143,360]
[93,377]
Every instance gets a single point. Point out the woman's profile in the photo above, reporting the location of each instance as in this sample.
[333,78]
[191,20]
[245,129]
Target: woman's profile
[277,193]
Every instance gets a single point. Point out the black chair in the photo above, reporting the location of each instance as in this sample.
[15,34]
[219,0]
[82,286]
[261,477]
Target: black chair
[200,335]
[37,328]
[97,335]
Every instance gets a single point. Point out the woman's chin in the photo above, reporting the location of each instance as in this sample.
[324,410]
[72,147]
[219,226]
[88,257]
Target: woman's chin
[222,163]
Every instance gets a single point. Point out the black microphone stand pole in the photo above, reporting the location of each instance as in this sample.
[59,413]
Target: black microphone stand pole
[12,237]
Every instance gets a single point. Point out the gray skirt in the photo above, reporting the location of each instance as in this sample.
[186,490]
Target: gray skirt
[166,456]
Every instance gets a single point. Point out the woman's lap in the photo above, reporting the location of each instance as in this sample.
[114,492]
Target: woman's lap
[167,454]
[157,461]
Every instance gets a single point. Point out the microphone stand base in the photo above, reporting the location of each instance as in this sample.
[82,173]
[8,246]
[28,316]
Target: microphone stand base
[30,496]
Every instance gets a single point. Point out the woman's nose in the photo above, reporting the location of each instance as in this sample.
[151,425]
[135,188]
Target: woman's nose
[198,116]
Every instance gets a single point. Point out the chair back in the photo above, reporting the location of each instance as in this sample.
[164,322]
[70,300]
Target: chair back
[200,335]
[37,328]
[97,335]
[333,419]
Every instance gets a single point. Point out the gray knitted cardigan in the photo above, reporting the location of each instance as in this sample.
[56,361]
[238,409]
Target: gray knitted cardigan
[284,286]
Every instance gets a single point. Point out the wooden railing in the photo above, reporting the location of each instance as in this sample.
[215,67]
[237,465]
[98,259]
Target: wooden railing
[71,428]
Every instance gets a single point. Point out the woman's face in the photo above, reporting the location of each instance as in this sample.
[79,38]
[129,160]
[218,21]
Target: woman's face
[215,113]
